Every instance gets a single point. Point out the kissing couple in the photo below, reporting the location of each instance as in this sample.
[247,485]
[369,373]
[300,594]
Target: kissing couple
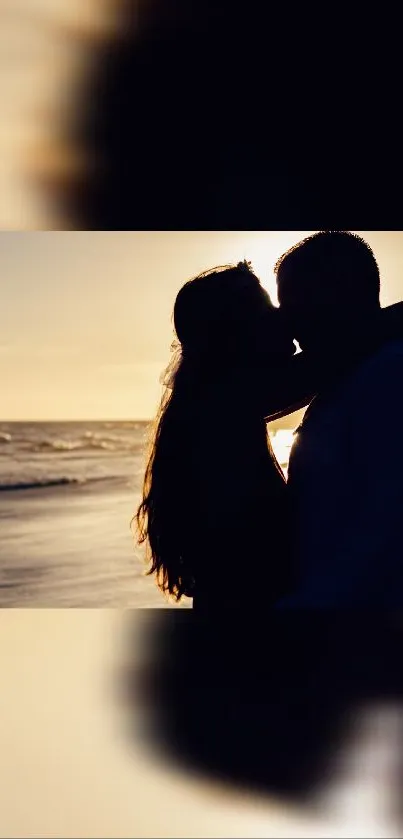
[222,524]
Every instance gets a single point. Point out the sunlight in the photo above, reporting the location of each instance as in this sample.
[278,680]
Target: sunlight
[264,248]
[282,441]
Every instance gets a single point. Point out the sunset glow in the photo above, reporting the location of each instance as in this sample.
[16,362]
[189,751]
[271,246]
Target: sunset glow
[282,441]
[264,248]
[85,320]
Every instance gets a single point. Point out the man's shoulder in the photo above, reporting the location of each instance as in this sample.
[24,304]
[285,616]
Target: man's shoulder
[382,365]
[376,387]
[391,351]
[379,375]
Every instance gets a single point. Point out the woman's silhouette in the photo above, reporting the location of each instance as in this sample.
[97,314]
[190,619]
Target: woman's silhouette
[214,509]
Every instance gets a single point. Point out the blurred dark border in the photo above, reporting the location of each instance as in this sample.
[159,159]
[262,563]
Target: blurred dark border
[257,701]
[237,116]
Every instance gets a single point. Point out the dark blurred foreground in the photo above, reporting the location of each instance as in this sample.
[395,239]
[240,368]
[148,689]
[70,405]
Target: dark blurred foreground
[142,114]
[262,703]
[212,115]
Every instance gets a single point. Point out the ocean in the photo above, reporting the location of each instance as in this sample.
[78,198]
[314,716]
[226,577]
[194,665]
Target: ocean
[68,491]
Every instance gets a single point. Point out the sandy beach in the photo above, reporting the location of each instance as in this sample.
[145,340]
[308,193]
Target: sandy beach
[71,547]
[68,493]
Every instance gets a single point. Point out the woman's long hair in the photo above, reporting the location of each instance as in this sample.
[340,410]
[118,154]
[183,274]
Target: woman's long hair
[215,333]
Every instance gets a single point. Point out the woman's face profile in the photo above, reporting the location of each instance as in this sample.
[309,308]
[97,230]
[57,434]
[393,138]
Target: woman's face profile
[232,309]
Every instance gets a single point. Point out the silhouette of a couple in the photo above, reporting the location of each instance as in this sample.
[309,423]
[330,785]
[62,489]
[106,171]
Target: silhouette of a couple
[221,523]
[295,584]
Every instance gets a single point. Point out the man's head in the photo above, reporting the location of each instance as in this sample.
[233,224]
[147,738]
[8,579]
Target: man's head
[325,283]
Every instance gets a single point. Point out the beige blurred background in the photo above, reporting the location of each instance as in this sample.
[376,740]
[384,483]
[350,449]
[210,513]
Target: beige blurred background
[46,51]
[68,767]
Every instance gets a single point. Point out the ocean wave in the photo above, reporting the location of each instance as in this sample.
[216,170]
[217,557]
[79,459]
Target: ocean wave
[53,445]
[39,483]
[83,445]
[44,483]
[88,443]
[40,439]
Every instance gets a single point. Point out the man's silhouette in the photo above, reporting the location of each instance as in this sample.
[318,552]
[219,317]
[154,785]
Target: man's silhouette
[346,466]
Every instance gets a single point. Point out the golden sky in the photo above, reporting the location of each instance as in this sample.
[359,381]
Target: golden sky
[85,317]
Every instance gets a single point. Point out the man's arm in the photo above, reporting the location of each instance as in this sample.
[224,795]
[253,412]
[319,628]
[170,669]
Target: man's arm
[360,561]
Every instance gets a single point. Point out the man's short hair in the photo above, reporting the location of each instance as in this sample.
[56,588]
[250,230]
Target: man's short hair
[333,256]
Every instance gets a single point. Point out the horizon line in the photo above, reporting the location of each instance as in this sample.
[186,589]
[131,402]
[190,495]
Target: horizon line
[81,419]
